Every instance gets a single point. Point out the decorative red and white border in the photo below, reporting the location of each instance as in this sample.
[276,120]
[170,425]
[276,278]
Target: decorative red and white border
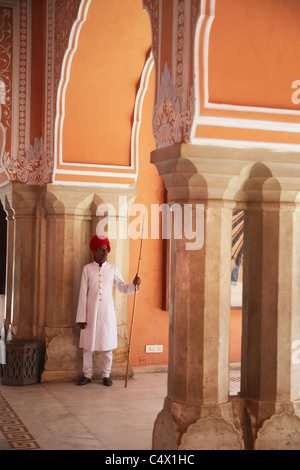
[101,174]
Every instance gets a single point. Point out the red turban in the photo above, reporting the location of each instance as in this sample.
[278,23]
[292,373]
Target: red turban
[96,242]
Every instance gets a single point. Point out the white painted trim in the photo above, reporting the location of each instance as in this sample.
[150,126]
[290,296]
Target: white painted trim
[95,165]
[93,184]
[96,173]
[249,124]
[196,65]
[246,144]
[206,49]
[138,109]
[253,109]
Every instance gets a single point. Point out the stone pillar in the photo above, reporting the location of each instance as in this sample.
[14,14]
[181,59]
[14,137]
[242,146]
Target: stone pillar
[7,312]
[21,203]
[271,366]
[71,220]
[198,413]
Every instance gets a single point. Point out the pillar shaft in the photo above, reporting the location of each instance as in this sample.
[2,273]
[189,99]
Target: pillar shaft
[270,376]
[21,204]
[200,314]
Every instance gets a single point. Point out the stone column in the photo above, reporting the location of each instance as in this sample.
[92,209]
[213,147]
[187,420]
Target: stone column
[21,203]
[9,281]
[198,413]
[271,366]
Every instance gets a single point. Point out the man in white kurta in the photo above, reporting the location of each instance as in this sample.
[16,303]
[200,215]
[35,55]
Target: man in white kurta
[96,314]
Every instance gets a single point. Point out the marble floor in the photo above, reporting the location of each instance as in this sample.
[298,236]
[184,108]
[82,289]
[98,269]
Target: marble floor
[63,416]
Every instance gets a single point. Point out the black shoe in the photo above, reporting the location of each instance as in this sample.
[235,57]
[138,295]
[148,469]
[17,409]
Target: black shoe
[107,382]
[84,381]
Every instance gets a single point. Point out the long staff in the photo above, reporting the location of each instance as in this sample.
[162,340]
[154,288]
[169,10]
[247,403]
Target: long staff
[133,311]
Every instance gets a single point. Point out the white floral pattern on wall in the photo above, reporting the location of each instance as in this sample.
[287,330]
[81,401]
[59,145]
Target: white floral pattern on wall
[172,120]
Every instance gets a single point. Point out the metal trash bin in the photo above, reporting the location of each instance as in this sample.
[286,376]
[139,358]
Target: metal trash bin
[22,362]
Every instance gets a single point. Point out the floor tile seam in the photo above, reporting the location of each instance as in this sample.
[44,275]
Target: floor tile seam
[76,417]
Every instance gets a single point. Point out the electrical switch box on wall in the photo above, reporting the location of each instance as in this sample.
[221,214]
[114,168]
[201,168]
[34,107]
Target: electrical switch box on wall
[154,348]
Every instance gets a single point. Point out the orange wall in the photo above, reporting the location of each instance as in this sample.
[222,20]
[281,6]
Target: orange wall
[235,334]
[254,52]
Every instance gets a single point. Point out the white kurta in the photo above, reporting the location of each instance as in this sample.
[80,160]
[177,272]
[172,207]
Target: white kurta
[96,306]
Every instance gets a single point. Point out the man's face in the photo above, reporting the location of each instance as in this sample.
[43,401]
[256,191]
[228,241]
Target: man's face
[100,255]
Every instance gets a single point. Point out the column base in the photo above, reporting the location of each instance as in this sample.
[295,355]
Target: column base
[274,425]
[63,362]
[204,427]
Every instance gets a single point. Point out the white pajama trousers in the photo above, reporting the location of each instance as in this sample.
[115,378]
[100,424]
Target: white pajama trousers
[107,357]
